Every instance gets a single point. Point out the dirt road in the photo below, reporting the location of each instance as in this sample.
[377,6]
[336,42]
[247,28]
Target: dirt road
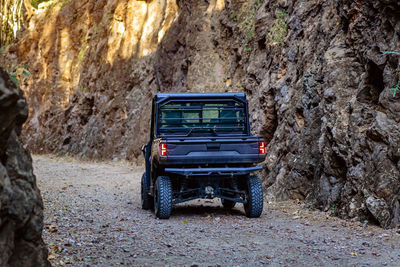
[93,218]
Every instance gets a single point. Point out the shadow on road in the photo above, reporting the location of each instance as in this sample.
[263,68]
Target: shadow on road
[193,209]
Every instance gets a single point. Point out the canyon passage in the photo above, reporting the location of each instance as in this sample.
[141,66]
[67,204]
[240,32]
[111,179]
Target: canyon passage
[322,81]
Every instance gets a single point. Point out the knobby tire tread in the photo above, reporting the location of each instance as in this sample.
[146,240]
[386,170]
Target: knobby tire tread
[164,197]
[147,200]
[254,207]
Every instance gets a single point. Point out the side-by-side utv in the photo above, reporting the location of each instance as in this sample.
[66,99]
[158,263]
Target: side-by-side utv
[200,147]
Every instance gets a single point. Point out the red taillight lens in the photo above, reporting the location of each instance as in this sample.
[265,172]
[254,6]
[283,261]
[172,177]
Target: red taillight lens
[163,149]
[261,148]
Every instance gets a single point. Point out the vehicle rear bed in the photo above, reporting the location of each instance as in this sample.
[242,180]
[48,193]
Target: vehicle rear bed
[212,150]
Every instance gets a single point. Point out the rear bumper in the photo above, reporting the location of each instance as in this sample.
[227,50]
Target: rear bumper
[212,171]
[212,158]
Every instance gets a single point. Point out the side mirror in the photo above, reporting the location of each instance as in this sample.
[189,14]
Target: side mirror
[144,150]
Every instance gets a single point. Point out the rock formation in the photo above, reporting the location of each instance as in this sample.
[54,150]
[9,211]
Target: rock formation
[326,87]
[21,207]
[318,75]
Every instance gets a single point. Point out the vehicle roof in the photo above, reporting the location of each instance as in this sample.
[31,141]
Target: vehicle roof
[162,96]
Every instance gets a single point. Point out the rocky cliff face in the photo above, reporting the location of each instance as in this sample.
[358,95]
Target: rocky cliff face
[336,143]
[21,208]
[317,73]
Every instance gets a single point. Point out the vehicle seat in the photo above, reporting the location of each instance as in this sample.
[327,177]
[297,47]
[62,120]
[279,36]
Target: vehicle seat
[172,123]
[227,114]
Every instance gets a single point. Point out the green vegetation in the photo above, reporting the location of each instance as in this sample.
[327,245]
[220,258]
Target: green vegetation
[397,87]
[14,77]
[246,17]
[277,33]
[36,3]
[83,49]
[97,32]
[19,72]
[54,4]
[99,29]
[11,20]
[12,15]
[63,3]
[82,52]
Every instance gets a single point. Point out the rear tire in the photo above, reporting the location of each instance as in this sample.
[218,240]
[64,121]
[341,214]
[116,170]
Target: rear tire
[254,205]
[163,197]
[147,200]
[228,204]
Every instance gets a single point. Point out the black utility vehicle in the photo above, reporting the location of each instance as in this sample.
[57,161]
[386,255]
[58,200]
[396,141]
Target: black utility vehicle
[200,147]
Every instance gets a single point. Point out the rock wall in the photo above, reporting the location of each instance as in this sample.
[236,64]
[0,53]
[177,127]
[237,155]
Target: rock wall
[91,74]
[21,207]
[318,75]
[326,86]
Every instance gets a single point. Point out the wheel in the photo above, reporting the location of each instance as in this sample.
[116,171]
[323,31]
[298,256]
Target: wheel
[228,204]
[254,205]
[163,197]
[147,200]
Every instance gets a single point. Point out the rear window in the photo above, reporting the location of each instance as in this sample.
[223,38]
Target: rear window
[202,118]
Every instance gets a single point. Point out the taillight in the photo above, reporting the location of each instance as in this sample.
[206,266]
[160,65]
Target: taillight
[261,147]
[163,149]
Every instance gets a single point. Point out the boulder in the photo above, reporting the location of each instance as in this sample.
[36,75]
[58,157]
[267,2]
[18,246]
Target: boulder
[21,206]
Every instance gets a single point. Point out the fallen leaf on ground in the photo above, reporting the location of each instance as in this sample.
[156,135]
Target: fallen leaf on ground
[52,256]
[77,259]
[53,229]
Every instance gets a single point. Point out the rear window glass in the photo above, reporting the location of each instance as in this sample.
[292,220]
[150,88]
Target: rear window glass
[202,118]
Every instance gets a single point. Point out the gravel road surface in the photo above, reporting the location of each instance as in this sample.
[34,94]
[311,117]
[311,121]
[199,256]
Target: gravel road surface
[93,218]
